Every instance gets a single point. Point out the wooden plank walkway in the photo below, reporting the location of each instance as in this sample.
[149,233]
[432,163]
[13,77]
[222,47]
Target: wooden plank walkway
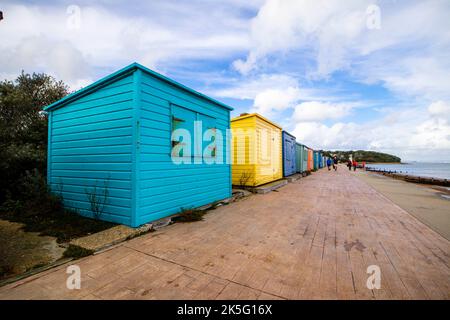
[312,239]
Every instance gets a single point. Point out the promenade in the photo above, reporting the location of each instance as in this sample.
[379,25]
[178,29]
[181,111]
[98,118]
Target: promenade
[312,239]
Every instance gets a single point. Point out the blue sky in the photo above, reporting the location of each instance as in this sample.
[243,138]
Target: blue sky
[352,74]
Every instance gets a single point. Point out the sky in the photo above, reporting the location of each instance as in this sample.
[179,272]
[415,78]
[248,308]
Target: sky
[339,75]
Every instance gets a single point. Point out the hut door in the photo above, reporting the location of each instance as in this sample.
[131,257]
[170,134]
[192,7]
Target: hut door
[292,147]
[289,154]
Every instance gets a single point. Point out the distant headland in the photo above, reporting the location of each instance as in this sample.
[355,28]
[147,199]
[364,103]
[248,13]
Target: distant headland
[362,155]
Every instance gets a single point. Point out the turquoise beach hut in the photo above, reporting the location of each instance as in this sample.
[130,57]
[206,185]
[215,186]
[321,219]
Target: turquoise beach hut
[316,160]
[117,142]
[299,156]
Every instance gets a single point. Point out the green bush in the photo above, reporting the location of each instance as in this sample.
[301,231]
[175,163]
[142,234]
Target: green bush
[23,129]
[24,194]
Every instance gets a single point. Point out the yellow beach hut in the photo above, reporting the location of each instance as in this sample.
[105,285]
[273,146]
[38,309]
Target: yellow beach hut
[256,150]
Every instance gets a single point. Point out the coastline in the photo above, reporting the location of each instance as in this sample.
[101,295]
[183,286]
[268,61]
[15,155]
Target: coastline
[429,204]
[368,163]
[412,178]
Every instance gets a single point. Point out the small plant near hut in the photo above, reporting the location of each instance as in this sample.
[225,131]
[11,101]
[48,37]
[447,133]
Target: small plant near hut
[98,198]
[42,210]
[76,252]
[245,178]
[189,215]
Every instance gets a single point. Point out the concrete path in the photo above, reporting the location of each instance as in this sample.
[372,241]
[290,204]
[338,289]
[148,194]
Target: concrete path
[313,239]
[427,203]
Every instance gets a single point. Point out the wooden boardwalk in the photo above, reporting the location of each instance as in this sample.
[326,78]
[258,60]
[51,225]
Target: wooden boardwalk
[313,239]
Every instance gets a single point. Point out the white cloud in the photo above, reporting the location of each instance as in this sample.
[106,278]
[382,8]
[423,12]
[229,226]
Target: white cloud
[249,88]
[408,54]
[273,100]
[270,93]
[440,109]
[411,134]
[274,93]
[324,26]
[109,39]
[39,53]
[317,111]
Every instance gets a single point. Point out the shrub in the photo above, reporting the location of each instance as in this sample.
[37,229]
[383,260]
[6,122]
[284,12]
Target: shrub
[189,215]
[43,211]
[76,252]
[23,128]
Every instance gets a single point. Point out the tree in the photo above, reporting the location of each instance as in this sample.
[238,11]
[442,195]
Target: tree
[23,126]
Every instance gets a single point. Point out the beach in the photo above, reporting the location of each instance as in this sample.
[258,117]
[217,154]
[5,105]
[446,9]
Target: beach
[429,204]
[421,169]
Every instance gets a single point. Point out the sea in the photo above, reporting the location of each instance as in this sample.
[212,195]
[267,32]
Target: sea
[423,169]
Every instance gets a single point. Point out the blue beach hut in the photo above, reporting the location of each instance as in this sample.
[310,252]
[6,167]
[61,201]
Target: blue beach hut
[141,145]
[320,160]
[289,154]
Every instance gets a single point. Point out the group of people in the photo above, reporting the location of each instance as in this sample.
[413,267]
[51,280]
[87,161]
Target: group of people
[350,164]
[333,162]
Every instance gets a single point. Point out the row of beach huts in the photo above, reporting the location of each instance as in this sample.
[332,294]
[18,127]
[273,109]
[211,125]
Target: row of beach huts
[289,156]
[136,146]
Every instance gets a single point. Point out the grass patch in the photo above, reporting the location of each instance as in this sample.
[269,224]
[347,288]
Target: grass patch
[189,215]
[43,212]
[6,270]
[64,225]
[76,252]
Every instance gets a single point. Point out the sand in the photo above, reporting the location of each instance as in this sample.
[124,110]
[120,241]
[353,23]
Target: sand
[430,205]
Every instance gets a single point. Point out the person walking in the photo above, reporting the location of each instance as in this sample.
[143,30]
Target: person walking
[349,164]
[329,163]
[335,163]
[355,164]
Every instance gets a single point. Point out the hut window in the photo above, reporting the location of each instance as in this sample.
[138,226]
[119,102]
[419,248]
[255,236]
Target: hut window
[197,126]
[182,131]
[209,136]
